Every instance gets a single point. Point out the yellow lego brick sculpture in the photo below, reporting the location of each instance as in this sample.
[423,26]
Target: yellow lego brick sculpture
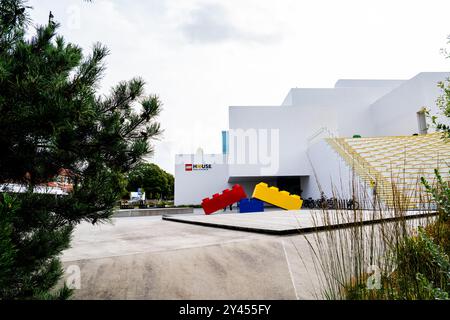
[277,198]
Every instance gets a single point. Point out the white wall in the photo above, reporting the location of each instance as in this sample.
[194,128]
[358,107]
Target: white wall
[294,125]
[395,113]
[191,187]
[350,104]
[331,172]
[343,110]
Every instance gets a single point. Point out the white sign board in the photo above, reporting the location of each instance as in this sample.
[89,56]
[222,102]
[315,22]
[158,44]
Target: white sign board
[137,196]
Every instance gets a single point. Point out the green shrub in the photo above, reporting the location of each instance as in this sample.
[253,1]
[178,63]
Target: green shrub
[413,261]
[422,264]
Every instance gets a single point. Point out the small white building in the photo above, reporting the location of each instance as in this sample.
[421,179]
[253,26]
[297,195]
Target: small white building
[284,145]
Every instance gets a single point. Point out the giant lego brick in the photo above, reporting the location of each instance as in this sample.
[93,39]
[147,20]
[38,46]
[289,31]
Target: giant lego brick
[213,204]
[251,205]
[276,197]
[226,198]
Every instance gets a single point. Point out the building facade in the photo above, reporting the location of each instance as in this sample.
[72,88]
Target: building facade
[286,145]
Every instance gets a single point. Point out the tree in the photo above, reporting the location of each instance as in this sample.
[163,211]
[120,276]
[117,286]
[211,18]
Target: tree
[51,119]
[156,182]
[443,103]
[170,186]
[442,121]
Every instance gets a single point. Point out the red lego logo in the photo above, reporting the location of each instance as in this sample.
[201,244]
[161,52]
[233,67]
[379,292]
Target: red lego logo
[188,167]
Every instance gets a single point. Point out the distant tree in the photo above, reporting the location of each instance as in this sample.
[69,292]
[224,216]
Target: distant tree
[156,182]
[51,118]
[170,186]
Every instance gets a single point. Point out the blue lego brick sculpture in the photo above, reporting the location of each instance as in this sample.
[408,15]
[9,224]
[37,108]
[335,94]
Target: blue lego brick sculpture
[251,205]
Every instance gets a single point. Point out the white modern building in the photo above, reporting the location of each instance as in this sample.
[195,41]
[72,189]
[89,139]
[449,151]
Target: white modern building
[288,146]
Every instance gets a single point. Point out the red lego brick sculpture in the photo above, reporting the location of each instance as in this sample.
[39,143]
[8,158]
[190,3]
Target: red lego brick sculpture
[220,201]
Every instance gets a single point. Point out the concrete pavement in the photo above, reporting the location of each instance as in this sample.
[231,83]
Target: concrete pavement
[148,258]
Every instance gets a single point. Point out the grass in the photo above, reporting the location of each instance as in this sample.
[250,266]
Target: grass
[400,259]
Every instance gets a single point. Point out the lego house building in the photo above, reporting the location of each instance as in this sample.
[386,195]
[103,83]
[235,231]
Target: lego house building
[322,139]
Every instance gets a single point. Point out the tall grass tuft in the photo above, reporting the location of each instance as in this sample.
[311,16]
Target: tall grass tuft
[398,257]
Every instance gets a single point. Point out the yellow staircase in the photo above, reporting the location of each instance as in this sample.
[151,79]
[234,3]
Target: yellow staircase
[394,165]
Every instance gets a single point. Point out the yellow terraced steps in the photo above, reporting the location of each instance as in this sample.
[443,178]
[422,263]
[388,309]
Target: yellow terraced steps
[395,164]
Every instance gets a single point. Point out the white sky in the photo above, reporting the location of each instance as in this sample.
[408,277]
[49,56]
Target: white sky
[201,56]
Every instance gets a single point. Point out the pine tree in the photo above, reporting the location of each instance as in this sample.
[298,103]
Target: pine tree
[51,118]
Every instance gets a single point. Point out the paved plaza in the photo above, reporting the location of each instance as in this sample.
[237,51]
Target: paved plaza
[151,258]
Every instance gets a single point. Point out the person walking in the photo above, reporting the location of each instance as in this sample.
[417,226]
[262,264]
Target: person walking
[231,208]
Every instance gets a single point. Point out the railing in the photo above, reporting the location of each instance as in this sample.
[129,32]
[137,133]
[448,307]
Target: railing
[319,132]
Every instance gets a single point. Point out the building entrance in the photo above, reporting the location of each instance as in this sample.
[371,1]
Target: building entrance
[290,184]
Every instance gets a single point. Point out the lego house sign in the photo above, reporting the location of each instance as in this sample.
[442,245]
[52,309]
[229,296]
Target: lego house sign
[197,167]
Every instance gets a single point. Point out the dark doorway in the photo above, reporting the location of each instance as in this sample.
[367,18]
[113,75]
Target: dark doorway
[290,184]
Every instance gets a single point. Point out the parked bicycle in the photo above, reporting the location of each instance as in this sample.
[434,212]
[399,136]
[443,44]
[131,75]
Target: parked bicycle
[330,203]
[309,203]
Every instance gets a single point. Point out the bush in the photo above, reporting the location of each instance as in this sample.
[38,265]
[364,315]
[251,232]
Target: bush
[413,260]
[422,265]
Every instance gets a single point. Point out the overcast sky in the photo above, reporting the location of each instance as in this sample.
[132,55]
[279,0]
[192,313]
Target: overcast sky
[201,56]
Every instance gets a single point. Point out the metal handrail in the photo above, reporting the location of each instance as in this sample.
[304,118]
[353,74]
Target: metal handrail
[318,132]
